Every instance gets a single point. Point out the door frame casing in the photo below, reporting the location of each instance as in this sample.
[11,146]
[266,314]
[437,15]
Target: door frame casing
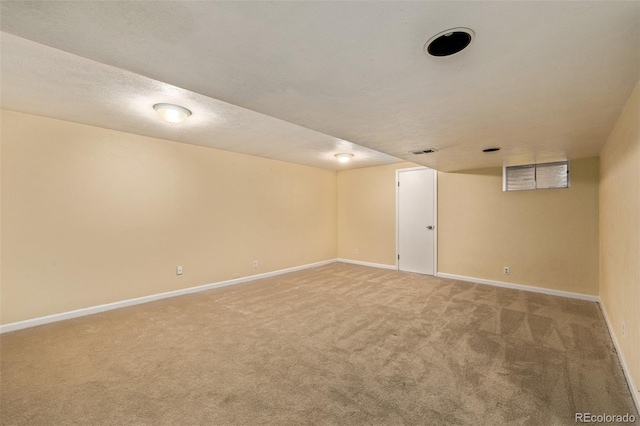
[435,216]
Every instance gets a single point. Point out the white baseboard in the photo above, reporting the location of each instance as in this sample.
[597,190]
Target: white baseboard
[145,299]
[625,368]
[373,265]
[521,287]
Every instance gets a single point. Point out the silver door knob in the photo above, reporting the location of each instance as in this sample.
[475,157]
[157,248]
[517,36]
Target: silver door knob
[429,227]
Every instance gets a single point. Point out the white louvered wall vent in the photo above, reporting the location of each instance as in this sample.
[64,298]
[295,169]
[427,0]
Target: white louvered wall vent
[536,176]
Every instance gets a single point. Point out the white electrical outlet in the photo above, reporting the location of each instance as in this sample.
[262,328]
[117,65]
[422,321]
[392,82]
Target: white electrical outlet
[624,330]
[506,270]
[356,251]
[255,263]
[179,270]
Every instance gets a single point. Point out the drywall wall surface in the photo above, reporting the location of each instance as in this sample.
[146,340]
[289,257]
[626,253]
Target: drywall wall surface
[93,216]
[367,213]
[548,238]
[620,232]
[0,219]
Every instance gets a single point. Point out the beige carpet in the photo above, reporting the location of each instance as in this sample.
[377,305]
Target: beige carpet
[341,344]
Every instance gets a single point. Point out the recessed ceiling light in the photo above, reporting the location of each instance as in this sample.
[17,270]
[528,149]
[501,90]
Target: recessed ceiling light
[344,158]
[172,113]
[491,149]
[448,42]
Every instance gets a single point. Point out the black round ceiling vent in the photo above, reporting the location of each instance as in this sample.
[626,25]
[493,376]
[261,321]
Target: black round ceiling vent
[449,42]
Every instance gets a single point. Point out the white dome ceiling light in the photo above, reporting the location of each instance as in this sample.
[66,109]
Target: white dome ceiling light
[172,113]
[344,158]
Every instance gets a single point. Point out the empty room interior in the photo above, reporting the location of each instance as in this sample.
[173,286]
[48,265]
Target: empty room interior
[245,213]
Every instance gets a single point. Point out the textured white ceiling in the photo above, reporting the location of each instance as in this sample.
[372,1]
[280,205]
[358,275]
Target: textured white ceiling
[542,80]
[40,80]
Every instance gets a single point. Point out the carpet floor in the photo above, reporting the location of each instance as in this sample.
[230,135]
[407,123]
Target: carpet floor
[339,344]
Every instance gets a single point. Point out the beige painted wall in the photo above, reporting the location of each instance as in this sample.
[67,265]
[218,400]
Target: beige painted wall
[620,232]
[549,238]
[367,213]
[0,220]
[92,216]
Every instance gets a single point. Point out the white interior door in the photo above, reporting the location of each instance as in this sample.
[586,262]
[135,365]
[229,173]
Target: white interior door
[416,220]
